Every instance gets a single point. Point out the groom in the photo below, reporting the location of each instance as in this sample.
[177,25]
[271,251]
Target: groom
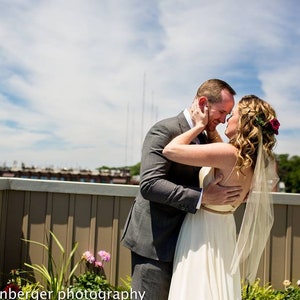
[168,191]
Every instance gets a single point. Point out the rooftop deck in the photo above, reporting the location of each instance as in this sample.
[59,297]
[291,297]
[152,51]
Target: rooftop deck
[94,215]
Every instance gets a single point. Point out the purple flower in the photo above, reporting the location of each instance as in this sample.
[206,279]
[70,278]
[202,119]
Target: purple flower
[88,256]
[105,256]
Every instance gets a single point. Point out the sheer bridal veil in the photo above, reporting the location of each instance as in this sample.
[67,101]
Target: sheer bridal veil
[258,217]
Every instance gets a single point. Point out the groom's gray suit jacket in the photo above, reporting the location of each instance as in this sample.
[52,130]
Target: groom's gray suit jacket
[167,192]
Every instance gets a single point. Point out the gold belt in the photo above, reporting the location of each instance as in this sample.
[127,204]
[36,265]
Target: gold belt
[218,211]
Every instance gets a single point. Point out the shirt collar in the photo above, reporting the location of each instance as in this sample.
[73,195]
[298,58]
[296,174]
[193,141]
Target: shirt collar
[188,118]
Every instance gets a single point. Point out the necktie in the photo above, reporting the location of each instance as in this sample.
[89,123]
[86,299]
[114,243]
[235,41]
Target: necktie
[202,138]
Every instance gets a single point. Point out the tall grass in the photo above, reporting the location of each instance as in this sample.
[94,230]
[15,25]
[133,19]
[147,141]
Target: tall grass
[56,275]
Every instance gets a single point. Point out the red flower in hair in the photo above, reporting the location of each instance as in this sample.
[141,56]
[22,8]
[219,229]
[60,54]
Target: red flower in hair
[275,125]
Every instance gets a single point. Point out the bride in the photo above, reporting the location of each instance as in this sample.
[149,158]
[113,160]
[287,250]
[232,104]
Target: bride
[207,257]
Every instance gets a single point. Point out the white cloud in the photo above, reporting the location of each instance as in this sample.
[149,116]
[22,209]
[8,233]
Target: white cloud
[72,72]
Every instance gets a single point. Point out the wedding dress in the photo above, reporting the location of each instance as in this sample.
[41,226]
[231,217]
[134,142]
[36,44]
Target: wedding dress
[207,256]
[204,252]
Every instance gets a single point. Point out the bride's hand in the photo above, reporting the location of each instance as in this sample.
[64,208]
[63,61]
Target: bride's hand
[198,115]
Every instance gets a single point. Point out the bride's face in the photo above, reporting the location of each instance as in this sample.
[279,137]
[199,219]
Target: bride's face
[232,123]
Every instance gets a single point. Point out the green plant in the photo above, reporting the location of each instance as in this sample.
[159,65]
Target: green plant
[127,283]
[290,292]
[125,290]
[94,279]
[91,281]
[30,291]
[56,275]
[87,286]
[255,291]
[266,292]
[91,285]
[19,287]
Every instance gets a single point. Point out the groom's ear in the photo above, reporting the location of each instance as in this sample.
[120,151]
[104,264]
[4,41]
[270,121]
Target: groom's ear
[202,102]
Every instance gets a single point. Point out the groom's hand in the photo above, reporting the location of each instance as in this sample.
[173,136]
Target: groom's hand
[217,194]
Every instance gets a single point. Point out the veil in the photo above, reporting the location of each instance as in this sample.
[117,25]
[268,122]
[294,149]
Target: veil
[258,217]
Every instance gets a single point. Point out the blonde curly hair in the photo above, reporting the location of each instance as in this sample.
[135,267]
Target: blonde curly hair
[254,125]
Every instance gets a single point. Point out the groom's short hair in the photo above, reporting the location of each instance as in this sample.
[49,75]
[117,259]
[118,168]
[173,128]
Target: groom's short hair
[212,88]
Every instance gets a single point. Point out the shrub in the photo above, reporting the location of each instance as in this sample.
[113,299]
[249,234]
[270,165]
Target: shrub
[266,292]
[93,282]
[20,285]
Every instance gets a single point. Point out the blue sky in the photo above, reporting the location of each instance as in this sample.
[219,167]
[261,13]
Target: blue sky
[81,81]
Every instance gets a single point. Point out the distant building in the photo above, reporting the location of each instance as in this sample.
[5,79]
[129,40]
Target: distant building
[120,176]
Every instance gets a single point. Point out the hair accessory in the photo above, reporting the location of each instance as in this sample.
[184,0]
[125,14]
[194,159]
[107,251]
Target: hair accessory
[270,127]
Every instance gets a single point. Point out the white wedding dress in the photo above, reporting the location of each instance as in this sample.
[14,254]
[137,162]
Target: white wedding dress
[204,254]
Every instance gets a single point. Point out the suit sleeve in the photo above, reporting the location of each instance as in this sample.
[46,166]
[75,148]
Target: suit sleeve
[164,181]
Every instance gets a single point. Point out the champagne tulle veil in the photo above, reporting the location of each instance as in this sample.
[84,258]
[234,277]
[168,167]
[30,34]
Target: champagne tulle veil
[258,217]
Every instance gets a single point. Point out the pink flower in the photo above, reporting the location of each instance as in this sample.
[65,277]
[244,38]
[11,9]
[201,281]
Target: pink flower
[98,264]
[88,256]
[105,256]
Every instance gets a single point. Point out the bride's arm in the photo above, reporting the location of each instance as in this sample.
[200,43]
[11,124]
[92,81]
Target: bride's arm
[218,155]
[187,137]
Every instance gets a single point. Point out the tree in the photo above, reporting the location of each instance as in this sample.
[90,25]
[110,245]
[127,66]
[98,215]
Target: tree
[289,172]
[135,170]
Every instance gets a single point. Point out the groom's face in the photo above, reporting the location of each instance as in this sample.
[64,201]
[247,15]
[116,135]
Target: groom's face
[217,112]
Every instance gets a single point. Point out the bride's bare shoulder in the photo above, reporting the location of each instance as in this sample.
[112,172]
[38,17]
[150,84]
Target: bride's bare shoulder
[227,153]
[224,147]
